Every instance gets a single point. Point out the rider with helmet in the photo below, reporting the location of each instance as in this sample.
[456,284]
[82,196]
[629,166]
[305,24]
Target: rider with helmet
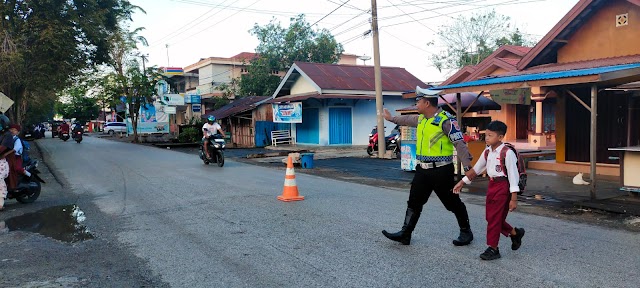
[209,129]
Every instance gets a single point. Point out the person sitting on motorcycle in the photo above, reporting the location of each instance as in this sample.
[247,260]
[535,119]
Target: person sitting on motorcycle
[209,129]
[63,128]
[19,149]
[77,127]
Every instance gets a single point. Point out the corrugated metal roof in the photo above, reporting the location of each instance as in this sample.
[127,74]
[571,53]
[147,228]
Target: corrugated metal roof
[320,96]
[542,76]
[236,107]
[357,77]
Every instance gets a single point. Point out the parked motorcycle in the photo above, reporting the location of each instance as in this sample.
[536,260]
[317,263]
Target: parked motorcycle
[216,147]
[77,135]
[28,188]
[392,142]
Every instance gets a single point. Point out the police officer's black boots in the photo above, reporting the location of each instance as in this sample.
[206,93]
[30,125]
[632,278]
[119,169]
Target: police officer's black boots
[404,236]
[466,236]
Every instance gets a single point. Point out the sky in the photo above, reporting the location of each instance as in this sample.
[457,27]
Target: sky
[195,29]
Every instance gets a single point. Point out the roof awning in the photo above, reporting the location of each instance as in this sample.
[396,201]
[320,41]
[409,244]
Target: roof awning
[320,96]
[608,76]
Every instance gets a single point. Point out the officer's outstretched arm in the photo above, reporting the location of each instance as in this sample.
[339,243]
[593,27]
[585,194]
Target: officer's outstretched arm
[403,120]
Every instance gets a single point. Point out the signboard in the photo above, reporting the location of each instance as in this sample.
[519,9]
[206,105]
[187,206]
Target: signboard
[173,71]
[512,96]
[196,99]
[173,99]
[408,156]
[196,107]
[162,87]
[152,118]
[170,110]
[5,102]
[287,112]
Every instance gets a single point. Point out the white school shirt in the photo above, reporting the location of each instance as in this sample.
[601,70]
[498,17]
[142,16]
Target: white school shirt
[494,168]
[17,145]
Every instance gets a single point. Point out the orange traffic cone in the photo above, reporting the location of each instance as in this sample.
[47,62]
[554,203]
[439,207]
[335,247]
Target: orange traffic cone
[290,192]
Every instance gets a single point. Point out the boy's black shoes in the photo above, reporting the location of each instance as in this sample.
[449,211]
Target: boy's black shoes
[490,254]
[464,238]
[516,240]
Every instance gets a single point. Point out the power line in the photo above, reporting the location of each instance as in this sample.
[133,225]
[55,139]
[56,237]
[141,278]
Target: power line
[194,20]
[215,23]
[405,42]
[348,6]
[345,22]
[488,5]
[334,10]
[257,11]
[192,26]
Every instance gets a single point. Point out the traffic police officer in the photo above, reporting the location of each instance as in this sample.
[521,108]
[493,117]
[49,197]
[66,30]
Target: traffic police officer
[437,134]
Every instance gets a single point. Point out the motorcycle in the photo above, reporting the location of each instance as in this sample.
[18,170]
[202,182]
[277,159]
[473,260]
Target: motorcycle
[216,147]
[64,136]
[28,188]
[77,136]
[392,142]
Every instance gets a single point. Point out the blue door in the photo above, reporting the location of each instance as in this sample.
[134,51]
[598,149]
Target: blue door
[340,125]
[308,132]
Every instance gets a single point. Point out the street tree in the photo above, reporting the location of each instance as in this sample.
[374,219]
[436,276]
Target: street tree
[469,40]
[45,44]
[279,47]
[74,103]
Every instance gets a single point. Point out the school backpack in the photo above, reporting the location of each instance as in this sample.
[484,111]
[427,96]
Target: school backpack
[522,172]
[25,150]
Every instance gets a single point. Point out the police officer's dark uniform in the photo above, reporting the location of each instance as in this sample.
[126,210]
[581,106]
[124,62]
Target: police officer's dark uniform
[437,135]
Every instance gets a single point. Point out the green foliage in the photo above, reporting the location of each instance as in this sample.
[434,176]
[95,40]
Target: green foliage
[45,44]
[74,103]
[279,47]
[196,121]
[470,40]
[190,135]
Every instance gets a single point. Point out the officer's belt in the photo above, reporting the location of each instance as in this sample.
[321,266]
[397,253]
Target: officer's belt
[429,165]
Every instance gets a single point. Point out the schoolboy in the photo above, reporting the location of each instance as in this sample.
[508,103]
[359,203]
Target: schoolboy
[502,194]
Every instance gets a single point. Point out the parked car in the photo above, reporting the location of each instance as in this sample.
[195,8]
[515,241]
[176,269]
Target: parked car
[114,127]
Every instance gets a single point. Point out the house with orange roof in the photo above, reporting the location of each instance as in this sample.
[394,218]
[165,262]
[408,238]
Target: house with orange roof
[589,63]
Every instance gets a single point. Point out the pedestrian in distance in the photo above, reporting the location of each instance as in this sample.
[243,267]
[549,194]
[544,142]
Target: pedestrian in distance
[502,193]
[438,133]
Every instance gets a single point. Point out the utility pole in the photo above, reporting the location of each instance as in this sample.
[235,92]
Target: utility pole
[144,68]
[167,46]
[382,149]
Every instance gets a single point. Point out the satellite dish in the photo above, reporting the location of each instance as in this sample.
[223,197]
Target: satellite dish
[364,59]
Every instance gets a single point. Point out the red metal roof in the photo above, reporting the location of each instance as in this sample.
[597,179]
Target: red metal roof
[522,49]
[236,107]
[320,96]
[245,56]
[356,77]
[511,61]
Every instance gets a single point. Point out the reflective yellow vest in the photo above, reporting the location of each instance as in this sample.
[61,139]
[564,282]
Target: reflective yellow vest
[433,144]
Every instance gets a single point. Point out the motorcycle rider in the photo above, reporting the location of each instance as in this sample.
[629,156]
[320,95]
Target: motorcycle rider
[77,127]
[209,129]
[63,128]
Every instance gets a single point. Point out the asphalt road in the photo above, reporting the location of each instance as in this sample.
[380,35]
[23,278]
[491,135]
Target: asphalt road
[193,225]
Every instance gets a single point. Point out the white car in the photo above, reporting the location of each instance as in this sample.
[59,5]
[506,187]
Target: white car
[115,127]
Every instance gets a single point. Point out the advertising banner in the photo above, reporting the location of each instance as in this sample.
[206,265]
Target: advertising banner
[287,112]
[152,118]
[173,99]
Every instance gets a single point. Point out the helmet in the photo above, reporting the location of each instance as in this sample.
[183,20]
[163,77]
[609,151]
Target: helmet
[211,118]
